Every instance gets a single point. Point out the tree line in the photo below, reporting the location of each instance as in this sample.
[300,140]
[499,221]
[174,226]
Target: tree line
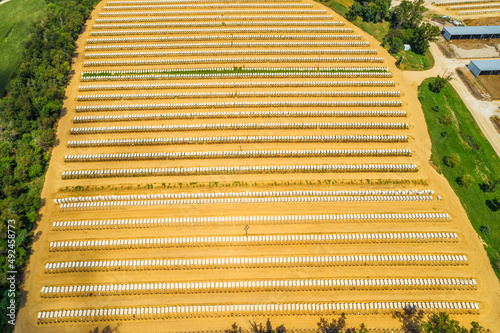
[406,23]
[411,319]
[28,120]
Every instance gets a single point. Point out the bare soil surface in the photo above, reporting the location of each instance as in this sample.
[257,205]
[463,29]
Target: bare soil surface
[496,122]
[492,84]
[471,82]
[474,48]
[468,244]
[495,20]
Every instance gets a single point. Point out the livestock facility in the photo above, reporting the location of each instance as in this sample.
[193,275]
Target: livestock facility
[230,161]
[479,32]
[484,67]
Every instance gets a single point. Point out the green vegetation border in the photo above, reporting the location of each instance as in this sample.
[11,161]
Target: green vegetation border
[412,62]
[478,158]
[16,20]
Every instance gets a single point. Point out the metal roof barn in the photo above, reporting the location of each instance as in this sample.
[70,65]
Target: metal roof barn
[479,32]
[484,67]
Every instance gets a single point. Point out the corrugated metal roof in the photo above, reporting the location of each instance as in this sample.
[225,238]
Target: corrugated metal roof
[487,65]
[479,30]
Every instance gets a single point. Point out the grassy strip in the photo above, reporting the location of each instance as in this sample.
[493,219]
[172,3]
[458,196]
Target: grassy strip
[416,62]
[412,62]
[234,71]
[16,19]
[478,159]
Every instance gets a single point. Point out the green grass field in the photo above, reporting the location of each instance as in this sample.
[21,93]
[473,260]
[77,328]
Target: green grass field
[16,19]
[464,137]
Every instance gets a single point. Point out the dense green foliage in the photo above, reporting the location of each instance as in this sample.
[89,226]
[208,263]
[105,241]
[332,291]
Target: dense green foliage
[407,60]
[369,10]
[17,18]
[28,119]
[407,28]
[476,157]
[437,83]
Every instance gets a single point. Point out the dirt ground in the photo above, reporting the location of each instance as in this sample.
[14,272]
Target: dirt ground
[492,84]
[496,122]
[469,244]
[471,82]
[495,20]
[474,48]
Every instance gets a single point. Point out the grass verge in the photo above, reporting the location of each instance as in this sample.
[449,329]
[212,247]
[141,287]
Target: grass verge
[16,19]
[463,137]
[416,62]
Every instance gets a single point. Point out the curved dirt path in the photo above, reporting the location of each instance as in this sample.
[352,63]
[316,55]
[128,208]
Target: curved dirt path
[480,110]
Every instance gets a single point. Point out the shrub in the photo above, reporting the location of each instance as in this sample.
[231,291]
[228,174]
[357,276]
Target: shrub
[436,108]
[489,186]
[437,84]
[451,160]
[485,229]
[396,45]
[465,181]
[444,134]
[446,120]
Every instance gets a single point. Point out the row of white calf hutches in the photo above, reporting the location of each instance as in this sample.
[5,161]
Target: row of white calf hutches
[216,37]
[286,44]
[250,104]
[236,154]
[238,220]
[237,139]
[182,24]
[227,52]
[120,289]
[239,84]
[150,16]
[253,262]
[220,69]
[203,2]
[217,30]
[130,77]
[237,126]
[114,204]
[153,62]
[243,94]
[225,170]
[122,24]
[205,30]
[114,5]
[239,114]
[258,194]
[253,240]
[207,12]
[230,310]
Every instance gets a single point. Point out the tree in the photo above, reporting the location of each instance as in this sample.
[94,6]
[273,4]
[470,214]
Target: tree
[235,328]
[489,186]
[446,120]
[465,181]
[363,329]
[369,10]
[452,160]
[485,229]
[410,318]
[407,15]
[437,84]
[335,326]
[442,323]
[422,36]
[396,45]
[493,204]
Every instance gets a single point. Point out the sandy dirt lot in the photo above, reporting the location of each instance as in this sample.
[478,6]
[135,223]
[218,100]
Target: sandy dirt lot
[471,49]
[492,84]
[444,201]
